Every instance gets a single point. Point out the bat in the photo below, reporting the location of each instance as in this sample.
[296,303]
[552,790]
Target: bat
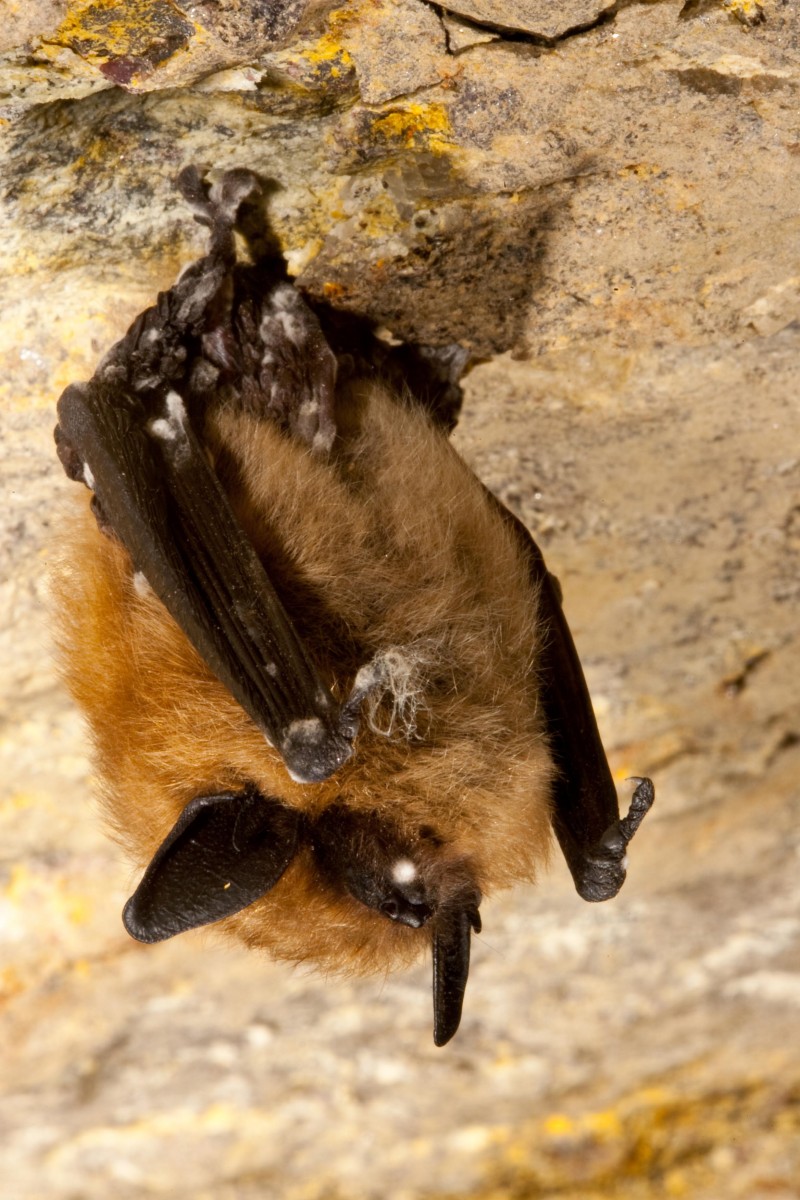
[333,697]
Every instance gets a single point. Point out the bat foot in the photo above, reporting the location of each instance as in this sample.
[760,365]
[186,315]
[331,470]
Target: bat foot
[312,752]
[604,866]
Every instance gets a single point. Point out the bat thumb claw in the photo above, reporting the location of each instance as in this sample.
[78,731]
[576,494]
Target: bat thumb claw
[312,751]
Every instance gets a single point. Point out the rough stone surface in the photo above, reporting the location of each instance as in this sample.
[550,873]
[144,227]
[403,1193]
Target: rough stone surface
[71,48]
[398,47]
[538,17]
[611,224]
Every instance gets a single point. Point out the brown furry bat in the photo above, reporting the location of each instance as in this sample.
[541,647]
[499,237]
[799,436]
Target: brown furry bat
[333,697]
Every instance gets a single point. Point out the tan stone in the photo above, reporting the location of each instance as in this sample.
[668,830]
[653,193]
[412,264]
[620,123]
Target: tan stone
[538,17]
[612,224]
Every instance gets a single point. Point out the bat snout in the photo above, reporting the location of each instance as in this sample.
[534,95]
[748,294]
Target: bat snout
[413,913]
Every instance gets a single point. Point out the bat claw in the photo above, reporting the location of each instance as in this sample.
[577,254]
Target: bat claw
[604,867]
[641,803]
[312,752]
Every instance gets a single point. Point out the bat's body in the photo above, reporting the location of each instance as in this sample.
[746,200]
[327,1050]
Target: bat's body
[318,661]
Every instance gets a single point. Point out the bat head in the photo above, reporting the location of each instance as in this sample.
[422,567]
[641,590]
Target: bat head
[227,851]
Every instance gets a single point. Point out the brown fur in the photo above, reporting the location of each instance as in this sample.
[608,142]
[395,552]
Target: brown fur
[391,544]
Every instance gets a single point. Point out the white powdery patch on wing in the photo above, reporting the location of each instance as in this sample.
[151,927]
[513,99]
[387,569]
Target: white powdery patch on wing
[284,297]
[323,440]
[284,317]
[140,584]
[171,430]
[308,425]
[303,738]
[291,327]
[172,426]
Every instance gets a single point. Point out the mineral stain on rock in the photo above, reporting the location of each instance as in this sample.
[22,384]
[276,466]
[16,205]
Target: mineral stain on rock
[125,40]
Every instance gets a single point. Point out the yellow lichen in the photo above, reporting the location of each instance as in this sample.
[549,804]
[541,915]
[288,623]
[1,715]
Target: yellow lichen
[99,30]
[417,126]
[328,56]
[749,12]
[653,1136]
[559,1125]
[333,291]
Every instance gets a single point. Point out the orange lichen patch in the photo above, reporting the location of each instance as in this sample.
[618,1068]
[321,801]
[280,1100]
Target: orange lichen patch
[417,126]
[680,194]
[340,18]
[333,291]
[111,29]
[652,1137]
[29,891]
[749,12]
[328,58]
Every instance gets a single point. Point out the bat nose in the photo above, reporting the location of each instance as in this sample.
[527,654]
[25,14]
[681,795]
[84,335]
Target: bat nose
[406,911]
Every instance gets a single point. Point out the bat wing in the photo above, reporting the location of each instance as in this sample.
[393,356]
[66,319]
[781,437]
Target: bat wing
[130,433]
[223,853]
[586,813]
[157,491]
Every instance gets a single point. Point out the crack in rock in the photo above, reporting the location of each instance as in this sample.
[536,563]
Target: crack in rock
[537,22]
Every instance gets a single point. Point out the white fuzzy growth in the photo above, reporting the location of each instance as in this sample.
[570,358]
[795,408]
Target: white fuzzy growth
[307,733]
[176,410]
[396,676]
[308,409]
[88,477]
[404,871]
[305,729]
[140,584]
[283,317]
[172,426]
[323,440]
[291,327]
[284,297]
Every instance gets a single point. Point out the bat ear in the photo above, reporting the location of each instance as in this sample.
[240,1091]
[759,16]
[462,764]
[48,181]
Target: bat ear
[223,853]
[451,941]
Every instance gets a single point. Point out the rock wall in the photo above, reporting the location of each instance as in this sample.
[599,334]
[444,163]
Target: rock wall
[601,202]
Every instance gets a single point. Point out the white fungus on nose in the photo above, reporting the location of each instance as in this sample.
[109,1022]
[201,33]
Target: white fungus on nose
[403,871]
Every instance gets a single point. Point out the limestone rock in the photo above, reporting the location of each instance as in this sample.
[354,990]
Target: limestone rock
[608,220]
[398,47]
[537,17]
[71,48]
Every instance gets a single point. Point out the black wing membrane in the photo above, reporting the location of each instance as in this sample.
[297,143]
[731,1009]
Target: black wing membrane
[130,433]
[162,499]
[224,852]
[586,817]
